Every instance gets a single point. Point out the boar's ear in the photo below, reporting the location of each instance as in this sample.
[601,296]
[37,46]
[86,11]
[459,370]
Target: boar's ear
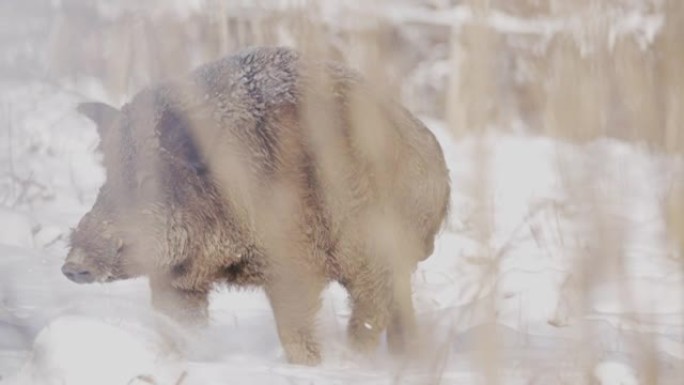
[100,113]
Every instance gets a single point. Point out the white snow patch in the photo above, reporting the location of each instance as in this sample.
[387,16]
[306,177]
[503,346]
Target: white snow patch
[615,373]
[78,350]
[16,228]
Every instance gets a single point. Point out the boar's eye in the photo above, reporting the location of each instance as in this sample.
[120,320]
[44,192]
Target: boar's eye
[142,180]
[146,188]
[119,245]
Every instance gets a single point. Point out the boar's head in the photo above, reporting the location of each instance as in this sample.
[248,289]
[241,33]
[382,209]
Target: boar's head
[114,240]
[97,249]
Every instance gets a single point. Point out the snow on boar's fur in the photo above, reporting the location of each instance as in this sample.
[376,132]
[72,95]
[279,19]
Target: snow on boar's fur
[265,169]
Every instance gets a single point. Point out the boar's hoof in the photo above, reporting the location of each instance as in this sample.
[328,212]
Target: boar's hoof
[363,336]
[77,273]
[303,354]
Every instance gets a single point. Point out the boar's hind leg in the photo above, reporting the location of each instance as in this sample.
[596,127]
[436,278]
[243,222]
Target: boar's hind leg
[189,307]
[401,331]
[295,299]
[381,300]
[370,295]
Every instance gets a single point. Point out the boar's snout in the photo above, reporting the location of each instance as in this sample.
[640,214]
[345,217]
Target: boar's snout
[77,273]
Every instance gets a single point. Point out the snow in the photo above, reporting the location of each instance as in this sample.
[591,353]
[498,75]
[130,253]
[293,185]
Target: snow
[614,373]
[85,350]
[17,228]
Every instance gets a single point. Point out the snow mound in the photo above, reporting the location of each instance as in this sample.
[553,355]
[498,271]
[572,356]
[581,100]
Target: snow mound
[614,373]
[79,350]
[17,228]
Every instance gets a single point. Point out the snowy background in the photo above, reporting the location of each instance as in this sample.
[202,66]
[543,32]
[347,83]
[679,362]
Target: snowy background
[561,262]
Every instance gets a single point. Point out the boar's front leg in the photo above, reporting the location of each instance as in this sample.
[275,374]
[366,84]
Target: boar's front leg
[295,299]
[187,306]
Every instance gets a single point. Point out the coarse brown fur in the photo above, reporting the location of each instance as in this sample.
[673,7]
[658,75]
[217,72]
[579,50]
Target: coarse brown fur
[265,169]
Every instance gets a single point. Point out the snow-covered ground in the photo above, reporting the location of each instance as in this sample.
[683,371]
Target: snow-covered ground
[555,263]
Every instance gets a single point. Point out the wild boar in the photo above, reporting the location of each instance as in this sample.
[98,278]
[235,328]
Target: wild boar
[271,170]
